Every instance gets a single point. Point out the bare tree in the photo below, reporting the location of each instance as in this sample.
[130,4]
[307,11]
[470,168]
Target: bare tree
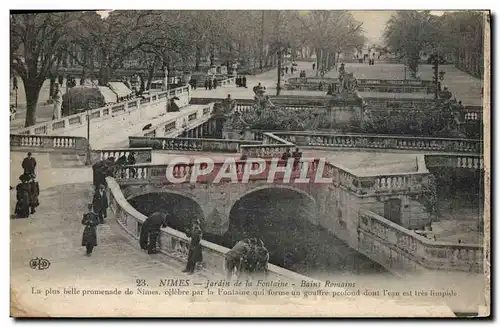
[35,42]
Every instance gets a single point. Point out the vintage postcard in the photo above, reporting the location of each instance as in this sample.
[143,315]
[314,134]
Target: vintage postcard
[250,163]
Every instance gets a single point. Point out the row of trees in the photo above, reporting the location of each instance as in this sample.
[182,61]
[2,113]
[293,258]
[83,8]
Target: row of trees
[458,35]
[43,42]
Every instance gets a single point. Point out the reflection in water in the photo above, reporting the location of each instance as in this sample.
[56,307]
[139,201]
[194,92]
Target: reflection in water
[280,218]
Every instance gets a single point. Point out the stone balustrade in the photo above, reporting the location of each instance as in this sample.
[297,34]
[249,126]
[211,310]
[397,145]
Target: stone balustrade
[78,144]
[376,232]
[383,142]
[472,113]
[265,150]
[362,186]
[393,88]
[142,155]
[175,243]
[270,138]
[147,173]
[470,161]
[227,81]
[77,120]
[190,144]
[188,119]
[423,83]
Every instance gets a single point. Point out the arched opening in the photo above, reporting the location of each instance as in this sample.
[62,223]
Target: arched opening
[181,209]
[284,219]
[460,192]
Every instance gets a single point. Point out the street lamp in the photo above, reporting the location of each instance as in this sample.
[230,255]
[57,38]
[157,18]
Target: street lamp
[278,87]
[92,105]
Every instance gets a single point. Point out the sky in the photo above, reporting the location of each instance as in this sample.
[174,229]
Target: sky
[373,22]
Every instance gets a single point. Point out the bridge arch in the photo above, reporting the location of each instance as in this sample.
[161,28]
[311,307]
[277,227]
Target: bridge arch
[181,207]
[275,186]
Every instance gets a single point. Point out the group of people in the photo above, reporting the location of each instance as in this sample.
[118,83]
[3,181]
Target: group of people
[241,81]
[248,257]
[150,237]
[28,190]
[297,155]
[284,70]
[97,210]
[211,82]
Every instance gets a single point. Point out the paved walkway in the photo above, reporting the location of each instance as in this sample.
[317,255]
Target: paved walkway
[463,86]
[54,232]
[114,132]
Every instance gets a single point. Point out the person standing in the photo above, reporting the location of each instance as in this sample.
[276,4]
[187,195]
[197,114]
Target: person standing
[100,203]
[131,161]
[297,155]
[215,83]
[244,81]
[195,254]
[286,69]
[150,230]
[210,83]
[206,84]
[89,238]
[286,154]
[235,257]
[22,209]
[33,192]
[29,164]
[314,65]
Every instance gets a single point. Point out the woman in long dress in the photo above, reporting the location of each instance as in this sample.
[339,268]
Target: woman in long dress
[22,209]
[89,237]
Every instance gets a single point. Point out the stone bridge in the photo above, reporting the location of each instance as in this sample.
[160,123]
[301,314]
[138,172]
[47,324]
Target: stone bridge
[338,206]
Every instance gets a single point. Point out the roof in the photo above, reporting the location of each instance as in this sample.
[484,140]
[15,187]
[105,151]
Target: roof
[120,89]
[109,96]
[395,96]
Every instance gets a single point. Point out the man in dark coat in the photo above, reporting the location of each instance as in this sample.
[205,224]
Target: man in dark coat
[286,155]
[100,203]
[131,161]
[101,170]
[195,254]
[29,164]
[34,192]
[234,257]
[244,81]
[98,173]
[150,230]
[22,209]
[262,260]
[297,155]
[89,238]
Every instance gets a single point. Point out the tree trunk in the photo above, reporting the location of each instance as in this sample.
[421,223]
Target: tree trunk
[212,56]
[104,75]
[32,92]
[318,60]
[197,59]
[83,75]
[151,71]
[52,85]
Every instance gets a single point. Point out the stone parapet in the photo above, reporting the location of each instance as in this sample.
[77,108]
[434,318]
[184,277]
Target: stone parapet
[400,249]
